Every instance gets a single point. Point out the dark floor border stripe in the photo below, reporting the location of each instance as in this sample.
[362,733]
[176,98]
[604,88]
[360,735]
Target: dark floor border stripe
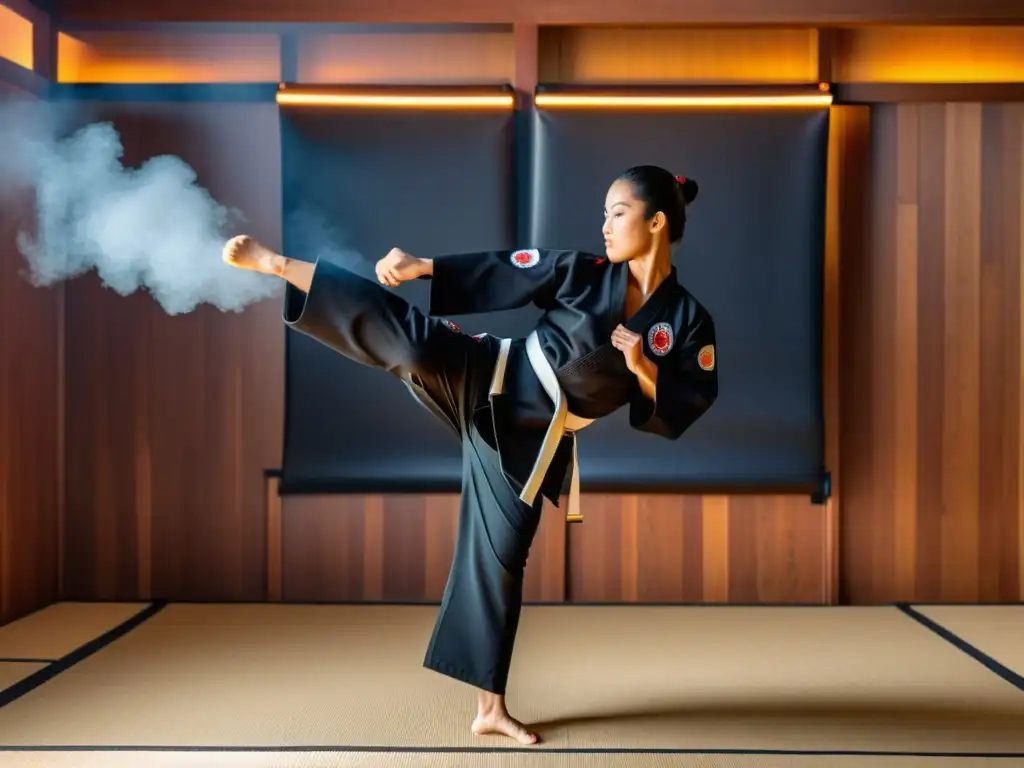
[49,672]
[979,656]
[436,603]
[331,748]
[23,660]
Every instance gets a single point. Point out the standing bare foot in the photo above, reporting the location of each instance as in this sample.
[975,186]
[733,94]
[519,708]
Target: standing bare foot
[246,252]
[492,718]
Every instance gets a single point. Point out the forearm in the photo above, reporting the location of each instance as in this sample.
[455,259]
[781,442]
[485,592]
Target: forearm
[488,281]
[647,376]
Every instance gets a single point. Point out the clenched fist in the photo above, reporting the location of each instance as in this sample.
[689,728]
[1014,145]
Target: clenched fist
[630,345]
[398,266]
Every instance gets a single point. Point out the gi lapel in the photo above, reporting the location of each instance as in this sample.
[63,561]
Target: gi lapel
[662,297]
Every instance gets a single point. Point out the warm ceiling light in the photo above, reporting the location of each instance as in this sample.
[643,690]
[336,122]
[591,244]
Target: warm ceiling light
[408,100]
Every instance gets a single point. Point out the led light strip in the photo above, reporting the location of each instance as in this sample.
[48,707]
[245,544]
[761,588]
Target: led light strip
[355,99]
[624,101]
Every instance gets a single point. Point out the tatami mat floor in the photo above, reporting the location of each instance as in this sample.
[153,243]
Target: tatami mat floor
[327,685]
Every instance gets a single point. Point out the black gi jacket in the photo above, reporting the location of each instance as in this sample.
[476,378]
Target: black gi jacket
[583,297]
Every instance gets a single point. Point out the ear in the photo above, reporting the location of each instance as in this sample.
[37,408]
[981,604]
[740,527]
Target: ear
[658,222]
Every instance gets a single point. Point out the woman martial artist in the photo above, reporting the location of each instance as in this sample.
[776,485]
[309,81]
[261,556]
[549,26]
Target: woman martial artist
[616,330]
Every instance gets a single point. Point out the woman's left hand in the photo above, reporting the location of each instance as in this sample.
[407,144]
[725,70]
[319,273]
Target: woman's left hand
[632,348]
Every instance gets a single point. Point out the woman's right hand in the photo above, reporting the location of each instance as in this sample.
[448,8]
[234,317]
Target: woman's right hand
[398,266]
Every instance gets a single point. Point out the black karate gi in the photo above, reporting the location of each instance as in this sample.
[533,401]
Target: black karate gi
[583,298]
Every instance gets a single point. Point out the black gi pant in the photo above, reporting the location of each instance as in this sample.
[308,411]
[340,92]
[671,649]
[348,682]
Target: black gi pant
[450,373]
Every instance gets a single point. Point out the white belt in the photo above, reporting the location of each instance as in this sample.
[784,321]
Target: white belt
[563,422]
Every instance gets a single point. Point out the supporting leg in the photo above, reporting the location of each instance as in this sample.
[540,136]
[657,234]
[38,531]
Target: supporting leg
[476,627]
[493,719]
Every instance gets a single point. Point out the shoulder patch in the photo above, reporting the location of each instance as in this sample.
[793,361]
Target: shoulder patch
[525,259]
[660,338]
[706,357]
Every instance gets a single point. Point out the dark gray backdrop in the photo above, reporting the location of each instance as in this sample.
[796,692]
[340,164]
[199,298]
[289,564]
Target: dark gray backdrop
[436,183]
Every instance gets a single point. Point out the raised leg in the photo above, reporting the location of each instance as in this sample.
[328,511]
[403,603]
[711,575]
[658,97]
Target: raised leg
[246,253]
[368,324]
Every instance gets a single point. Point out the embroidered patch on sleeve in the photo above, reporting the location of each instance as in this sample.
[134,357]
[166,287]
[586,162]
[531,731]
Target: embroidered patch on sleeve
[706,357]
[660,338]
[525,259]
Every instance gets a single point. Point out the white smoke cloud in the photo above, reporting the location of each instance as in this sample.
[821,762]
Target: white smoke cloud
[152,227]
[311,237]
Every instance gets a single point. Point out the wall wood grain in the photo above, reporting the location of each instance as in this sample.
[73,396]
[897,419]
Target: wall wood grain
[30,414]
[171,420]
[932,439]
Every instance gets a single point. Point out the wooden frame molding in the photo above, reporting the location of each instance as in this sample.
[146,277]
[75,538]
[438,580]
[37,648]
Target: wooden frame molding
[738,12]
[933,93]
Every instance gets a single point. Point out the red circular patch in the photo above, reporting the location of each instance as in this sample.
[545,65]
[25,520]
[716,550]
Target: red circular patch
[706,357]
[659,338]
[453,326]
[526,258]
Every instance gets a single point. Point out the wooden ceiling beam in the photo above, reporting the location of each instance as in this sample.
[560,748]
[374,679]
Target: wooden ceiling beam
[553,12]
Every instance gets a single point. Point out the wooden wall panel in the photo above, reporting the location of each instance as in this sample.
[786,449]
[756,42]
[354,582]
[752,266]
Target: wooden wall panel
[171,420]
[932,436]
[440,57]
[30,414]
[929,54]
[393,549]
[16,38]
[584,55]
[693,549]
[629,549]
[154,56]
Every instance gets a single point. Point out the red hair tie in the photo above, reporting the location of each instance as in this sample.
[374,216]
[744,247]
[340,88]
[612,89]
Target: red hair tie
[681,179]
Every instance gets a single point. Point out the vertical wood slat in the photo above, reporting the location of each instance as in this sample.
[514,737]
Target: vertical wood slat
[715,562]
[849,136]
[832,313]
[275,530]
[960,443]
[1017,121]
[905,334]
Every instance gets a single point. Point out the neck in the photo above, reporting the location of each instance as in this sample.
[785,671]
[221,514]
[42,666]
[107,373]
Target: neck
[650,270]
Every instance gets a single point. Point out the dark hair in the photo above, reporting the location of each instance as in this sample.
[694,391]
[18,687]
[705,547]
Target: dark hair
[662,191]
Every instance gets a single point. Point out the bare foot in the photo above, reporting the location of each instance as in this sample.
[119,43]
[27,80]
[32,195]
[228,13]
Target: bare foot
[493,719]
[246,252]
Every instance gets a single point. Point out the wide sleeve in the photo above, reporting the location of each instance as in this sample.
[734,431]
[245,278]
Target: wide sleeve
[491,281]
[686,388]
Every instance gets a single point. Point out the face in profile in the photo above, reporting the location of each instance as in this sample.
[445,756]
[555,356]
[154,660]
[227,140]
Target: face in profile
[627,234]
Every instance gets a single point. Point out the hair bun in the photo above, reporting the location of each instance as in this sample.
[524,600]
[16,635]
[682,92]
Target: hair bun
[689,188]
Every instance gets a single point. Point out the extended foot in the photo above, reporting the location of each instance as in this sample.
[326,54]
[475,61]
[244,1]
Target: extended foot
[245,252]
[500,723]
